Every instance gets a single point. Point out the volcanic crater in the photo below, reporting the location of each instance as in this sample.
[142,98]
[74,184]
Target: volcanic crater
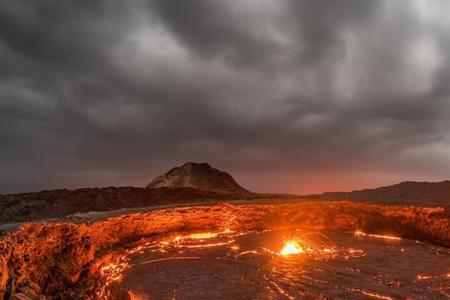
[256,247]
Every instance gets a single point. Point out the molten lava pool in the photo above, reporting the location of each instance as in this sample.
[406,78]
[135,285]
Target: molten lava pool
[277,265]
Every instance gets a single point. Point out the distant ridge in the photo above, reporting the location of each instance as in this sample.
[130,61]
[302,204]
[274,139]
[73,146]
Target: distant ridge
[412,192]
[200,176]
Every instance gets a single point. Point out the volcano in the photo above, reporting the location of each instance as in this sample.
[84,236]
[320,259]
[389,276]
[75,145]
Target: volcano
[195,233]
[287,250]
[200,176]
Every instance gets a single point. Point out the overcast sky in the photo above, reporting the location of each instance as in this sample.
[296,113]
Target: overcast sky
[287,95]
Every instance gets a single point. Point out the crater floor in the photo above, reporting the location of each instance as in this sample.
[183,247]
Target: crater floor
[249,265]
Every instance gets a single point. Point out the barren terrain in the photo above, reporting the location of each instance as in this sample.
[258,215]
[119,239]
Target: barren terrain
[60,260]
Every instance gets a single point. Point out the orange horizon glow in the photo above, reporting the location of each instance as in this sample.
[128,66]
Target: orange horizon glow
[291,182]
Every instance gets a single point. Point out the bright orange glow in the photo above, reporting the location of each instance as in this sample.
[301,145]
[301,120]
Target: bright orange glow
[291,247]
[112,271]
[375,295]
[423,277]
[313,246]
[359,233]
[427,277]
[135,296]
[203,235]
[234,247]
[204,246]
[380,236]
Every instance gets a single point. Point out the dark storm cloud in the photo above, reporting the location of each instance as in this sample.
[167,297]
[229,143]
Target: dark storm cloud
[295,95]
[213,30]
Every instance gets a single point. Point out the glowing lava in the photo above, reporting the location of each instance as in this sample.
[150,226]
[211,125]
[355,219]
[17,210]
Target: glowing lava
[135,296]
[203,235]
[229,263]
[380,236]
[291,247]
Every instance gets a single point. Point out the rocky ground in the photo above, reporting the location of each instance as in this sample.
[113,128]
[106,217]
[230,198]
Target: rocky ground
[187,184]
[26,207]
[58,260]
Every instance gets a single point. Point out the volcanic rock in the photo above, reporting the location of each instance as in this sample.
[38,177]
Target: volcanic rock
[59,203]
[410,192]
[54,258]
[199,176]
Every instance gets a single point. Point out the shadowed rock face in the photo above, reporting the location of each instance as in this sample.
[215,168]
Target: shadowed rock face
[200,176]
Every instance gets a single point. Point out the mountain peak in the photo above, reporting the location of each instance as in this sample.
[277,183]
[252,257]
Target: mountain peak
[200,176]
